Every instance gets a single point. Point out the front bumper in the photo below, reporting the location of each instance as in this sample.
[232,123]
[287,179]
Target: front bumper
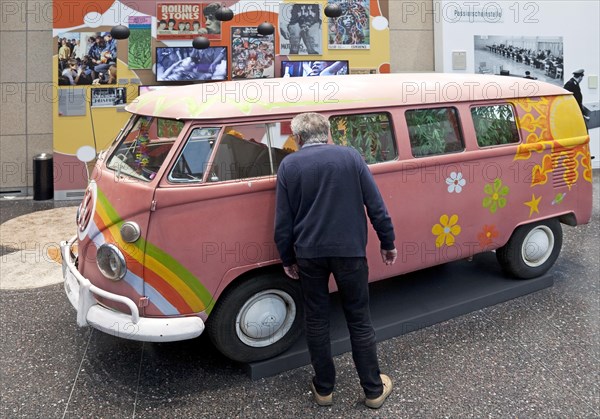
[81,293]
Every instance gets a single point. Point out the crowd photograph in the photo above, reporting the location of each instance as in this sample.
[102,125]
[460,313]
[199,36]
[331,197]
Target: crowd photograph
[86,58]
[532,57]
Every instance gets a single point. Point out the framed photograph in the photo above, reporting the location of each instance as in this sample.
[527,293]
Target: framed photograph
[187,64]
[187,20]
[108,96]
[252,54]
[307,68]
[530,57]
[352,29]
[300,29]
[139,55]
[86,58]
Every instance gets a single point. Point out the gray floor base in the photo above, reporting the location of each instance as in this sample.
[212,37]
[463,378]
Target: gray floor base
[409,302]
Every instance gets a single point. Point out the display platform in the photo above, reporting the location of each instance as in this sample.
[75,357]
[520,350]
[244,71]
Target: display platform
[413,301]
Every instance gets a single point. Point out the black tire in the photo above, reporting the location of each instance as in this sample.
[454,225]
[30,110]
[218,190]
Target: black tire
[532,249]
[257,319]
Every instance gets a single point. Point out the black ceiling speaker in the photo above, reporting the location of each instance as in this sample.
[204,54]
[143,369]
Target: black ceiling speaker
[266,28]
[119,32]
[224,14]
[201,42]
[333,10]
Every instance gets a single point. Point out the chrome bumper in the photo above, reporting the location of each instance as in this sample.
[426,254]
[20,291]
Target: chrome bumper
[81,293]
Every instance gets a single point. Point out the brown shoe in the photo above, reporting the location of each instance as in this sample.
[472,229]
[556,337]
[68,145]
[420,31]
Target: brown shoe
[377,402]
[321,400]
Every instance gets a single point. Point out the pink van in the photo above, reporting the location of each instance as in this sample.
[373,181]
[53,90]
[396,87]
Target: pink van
[175,232]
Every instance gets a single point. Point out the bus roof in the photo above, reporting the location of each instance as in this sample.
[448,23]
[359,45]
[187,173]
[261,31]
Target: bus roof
[279,96]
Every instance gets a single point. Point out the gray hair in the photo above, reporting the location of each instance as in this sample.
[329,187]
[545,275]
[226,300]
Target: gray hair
[311,127]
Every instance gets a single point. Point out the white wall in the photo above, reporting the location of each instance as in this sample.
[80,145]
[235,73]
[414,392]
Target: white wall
[575,21]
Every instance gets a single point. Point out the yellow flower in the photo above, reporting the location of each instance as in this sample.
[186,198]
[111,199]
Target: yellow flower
[446,230]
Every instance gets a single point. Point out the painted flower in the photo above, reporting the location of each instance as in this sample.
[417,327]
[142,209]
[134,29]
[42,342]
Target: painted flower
[446,230]
[497,195]
[487,235]
[455,182]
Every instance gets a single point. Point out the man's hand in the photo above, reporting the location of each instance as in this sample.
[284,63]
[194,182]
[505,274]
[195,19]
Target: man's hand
[389,256]
[292,271]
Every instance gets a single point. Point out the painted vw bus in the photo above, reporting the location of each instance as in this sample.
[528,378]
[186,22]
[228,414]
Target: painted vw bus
[175,232]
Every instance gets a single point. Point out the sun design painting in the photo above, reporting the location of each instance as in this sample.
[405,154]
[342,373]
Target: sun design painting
[554,123]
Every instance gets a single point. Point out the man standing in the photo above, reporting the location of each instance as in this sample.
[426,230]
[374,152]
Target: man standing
[321,229]
[573,86]
[78,50]
[64,54]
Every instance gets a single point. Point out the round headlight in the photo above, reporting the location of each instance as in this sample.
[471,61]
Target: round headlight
[130,231]
[111,262]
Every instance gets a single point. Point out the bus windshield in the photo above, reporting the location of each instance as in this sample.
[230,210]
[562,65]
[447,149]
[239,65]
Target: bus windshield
[144,147]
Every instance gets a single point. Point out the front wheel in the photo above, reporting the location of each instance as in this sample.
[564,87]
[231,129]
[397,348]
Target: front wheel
[257,319]
[532,249]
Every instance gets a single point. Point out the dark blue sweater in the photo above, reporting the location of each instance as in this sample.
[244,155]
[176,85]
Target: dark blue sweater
[322,192]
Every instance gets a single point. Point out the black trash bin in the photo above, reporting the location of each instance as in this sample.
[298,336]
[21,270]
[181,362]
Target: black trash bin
[43,177]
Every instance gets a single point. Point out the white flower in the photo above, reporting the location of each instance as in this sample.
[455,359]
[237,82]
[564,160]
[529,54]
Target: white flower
[455,182]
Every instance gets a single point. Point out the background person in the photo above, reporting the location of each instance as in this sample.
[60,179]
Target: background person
[64,53]
[212,25]
[304,27]
[111,77]
[325,68]
[321,229]
[79,50]
[72,72]
[573,86]
[108,56]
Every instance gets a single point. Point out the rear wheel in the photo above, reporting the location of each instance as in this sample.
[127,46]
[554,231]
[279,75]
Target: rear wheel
[532,249]
[257,319]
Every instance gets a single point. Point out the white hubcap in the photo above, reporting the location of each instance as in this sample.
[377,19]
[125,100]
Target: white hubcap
[265,318]
[537,246]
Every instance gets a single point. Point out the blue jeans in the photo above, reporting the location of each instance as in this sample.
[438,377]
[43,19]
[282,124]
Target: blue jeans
[351,275]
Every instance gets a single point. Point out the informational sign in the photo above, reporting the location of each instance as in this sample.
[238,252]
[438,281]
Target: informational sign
[71,102]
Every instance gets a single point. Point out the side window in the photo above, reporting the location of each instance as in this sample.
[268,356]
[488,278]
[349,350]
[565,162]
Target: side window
[248,151]
[434,131]
[494,125]
[191,163]
[370,134]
